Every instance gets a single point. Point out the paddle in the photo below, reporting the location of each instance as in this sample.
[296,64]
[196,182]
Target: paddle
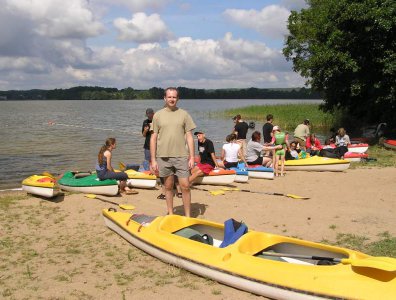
[213,192]
[266,193]
[60,175]
[122,166]
[123,206]
[376,262]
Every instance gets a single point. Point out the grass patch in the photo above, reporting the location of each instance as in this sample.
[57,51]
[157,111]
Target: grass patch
[287,116]
[384,246]
[7,200]
[123,279]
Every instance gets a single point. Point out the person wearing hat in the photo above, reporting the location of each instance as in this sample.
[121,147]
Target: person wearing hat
[146,132]
[172,148]
[207,157]
[301,133]
[280,138]
[240,129]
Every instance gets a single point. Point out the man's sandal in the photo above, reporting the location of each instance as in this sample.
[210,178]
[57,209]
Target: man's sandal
[161,197]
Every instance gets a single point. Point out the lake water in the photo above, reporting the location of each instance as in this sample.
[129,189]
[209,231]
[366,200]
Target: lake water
[56,136]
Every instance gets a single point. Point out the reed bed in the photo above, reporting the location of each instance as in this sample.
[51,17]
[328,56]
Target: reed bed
[288,116]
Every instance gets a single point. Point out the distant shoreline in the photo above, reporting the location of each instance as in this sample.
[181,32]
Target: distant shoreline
[101,93]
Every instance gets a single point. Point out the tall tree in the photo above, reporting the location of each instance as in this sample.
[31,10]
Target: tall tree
[346,50]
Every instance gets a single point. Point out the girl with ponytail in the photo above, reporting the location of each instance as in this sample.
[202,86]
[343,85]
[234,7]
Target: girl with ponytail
[104,170]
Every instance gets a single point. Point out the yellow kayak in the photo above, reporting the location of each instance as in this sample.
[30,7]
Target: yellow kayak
[266,264]
[40,185]
[317,163]
[141,179]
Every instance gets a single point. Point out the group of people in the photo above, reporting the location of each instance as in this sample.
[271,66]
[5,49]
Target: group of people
[169,149]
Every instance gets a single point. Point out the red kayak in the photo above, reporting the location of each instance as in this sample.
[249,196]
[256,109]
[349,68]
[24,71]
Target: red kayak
[354,156]
[390,144]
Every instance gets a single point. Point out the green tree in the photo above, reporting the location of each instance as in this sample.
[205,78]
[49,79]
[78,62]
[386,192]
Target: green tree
[346,50]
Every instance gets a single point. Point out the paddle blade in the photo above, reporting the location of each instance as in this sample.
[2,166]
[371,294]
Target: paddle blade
[382,263]
[126,206]
[296,197]
[91,196]
[217,192]
[122,166]
[48,174]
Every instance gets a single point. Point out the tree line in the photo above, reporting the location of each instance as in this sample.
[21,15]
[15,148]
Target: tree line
[103,93]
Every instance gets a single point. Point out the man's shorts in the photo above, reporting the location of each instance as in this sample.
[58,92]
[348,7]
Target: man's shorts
[173,166]
[300,141]
[205,168]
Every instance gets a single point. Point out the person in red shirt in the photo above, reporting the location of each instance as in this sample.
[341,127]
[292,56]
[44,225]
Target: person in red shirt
[313,145]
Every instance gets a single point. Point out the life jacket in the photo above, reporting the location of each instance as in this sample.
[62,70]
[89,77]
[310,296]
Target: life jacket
[233,230]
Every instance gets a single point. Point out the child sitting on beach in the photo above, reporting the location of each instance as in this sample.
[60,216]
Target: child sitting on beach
[104,170]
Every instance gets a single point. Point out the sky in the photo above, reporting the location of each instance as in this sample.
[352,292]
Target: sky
[48,44]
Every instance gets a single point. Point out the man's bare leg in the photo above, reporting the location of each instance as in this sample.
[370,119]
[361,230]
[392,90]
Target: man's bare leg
[168,184]
[186,195]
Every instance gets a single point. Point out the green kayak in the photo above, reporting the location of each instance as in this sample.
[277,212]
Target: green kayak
[88,183]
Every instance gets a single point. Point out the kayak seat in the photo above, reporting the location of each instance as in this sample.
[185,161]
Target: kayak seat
[233,230]
[195,235]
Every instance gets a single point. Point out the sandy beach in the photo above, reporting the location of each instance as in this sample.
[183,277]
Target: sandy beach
[61,249]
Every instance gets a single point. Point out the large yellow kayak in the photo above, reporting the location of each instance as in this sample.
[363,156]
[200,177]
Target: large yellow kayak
[266,264]
[317,163]
[40,185]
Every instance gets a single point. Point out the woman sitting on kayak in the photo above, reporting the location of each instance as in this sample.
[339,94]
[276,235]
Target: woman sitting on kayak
[231,152]
[254,149]
[104,170]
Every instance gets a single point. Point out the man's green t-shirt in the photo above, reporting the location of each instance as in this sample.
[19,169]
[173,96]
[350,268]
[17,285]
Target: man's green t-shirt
[171,127]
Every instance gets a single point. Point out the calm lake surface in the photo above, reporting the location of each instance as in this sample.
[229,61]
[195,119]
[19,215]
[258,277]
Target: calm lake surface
[31,145]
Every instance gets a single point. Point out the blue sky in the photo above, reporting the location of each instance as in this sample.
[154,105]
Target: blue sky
[50,44]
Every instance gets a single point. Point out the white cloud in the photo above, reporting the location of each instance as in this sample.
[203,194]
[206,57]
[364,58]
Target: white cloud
[271,21]
[294,4]
[43,44]
[142,28]
[57,18]
[137,5]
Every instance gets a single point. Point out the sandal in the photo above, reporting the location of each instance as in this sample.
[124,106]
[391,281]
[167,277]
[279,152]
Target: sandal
[179,195]
[161,197]
[131,192]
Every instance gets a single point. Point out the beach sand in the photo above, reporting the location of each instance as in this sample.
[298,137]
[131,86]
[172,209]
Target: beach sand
[61,249]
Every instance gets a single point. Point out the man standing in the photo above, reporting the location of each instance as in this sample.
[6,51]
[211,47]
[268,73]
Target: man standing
[301,133]
[172,148]
[267,129]
[241,128]
[147,130]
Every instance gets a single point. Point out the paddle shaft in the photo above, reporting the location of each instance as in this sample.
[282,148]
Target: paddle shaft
[266,193]
[105,200]
[302,256]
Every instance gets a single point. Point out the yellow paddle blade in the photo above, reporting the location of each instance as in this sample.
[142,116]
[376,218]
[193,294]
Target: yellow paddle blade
[217,192]
[92,196]
[296,197]
[122,166]
[126,206]
[230,189]
[48,174]
[382,263]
